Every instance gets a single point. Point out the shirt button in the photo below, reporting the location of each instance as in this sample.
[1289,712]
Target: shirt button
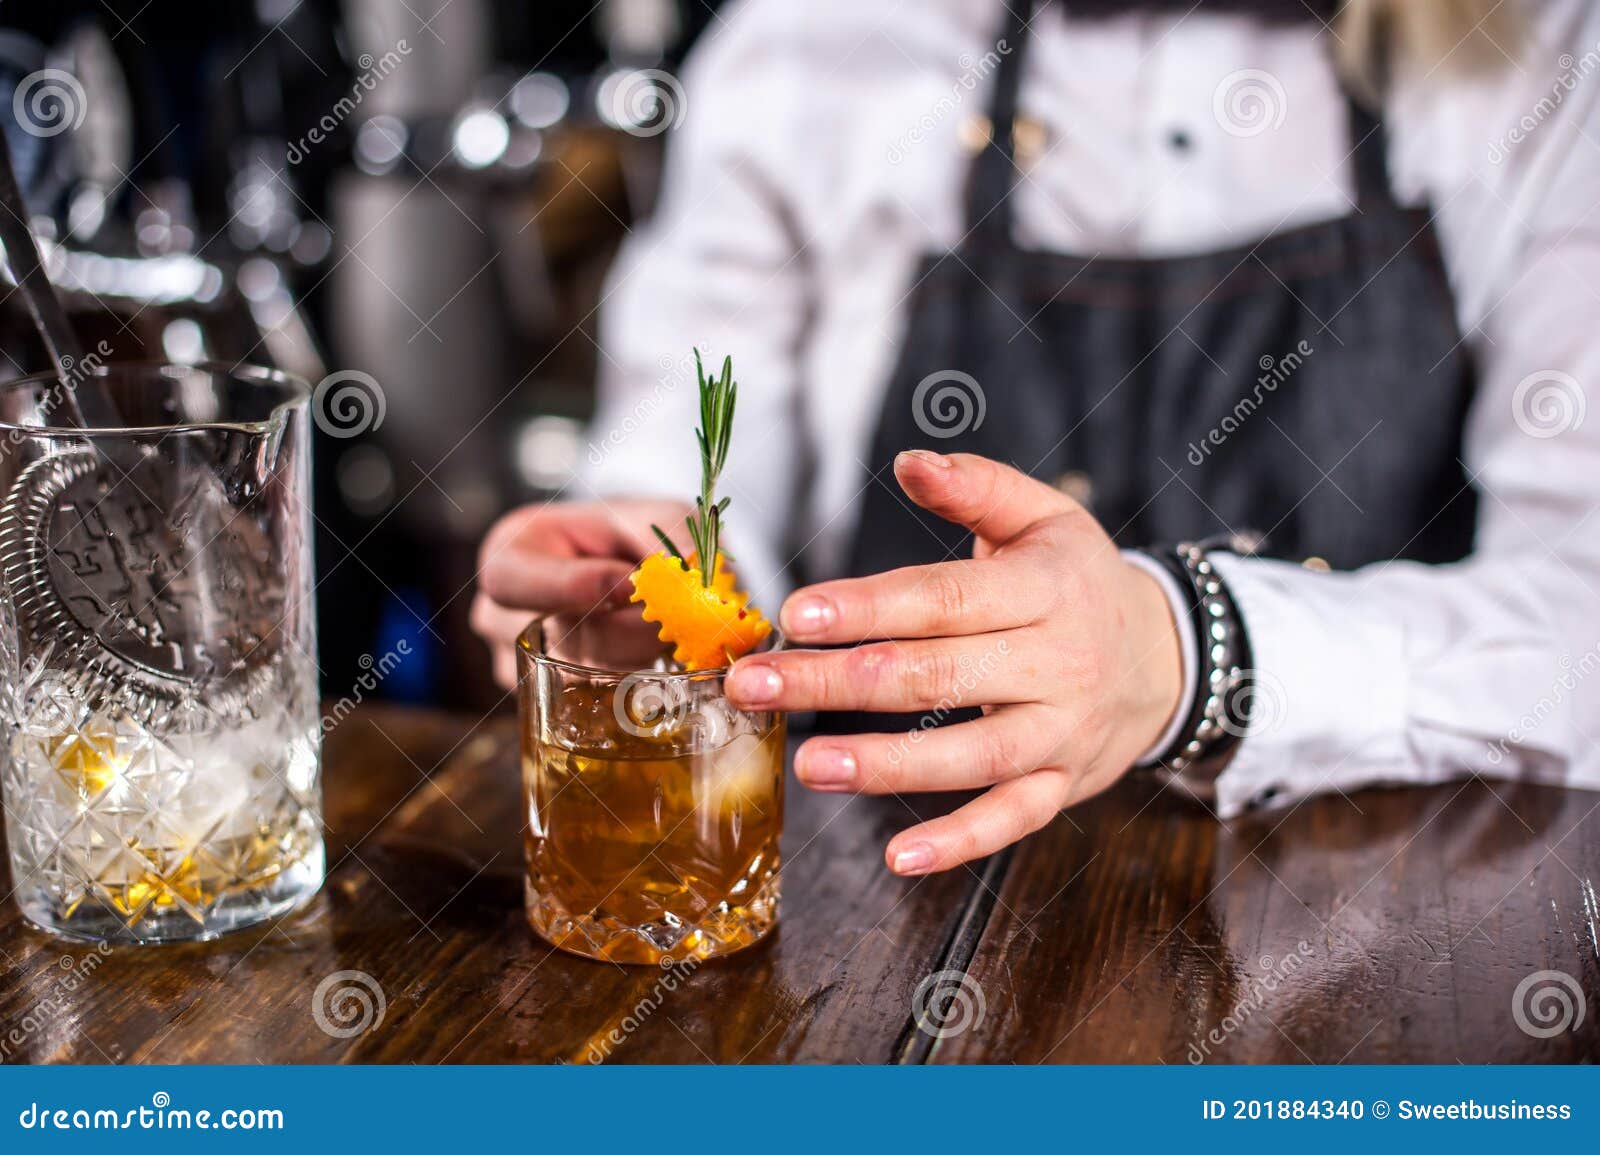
[1028,138]
[974,132]
[1179,140]
[1076,485]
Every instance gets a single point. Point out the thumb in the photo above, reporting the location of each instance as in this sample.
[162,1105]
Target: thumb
[994,501]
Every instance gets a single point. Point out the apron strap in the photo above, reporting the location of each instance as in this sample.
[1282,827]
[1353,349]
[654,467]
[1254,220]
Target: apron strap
[1369,144]
[990,177]
[1368,140]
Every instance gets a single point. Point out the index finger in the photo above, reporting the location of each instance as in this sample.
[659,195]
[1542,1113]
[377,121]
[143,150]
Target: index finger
[925,601]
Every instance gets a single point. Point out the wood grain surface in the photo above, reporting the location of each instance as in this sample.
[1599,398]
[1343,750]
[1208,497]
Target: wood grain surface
[1389,926]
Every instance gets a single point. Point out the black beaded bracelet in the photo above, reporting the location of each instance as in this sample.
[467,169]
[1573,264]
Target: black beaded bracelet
[1219,713]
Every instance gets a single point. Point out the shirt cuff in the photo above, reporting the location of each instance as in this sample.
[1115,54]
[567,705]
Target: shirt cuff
[1178,603]
[1328,704]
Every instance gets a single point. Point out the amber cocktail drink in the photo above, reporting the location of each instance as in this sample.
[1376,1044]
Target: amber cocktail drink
[654,810]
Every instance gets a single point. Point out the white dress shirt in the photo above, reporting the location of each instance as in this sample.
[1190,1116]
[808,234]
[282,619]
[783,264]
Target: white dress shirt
[821,155]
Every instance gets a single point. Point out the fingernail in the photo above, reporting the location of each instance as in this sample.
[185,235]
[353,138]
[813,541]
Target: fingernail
[914,859]
[806,616]
[937,460]
[754,684]
[825,766]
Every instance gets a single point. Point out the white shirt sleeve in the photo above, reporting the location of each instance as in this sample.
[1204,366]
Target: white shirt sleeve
[717,268]
[1408,673]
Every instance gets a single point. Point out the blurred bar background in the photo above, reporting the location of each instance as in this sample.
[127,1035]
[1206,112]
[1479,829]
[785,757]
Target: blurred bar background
[427,192]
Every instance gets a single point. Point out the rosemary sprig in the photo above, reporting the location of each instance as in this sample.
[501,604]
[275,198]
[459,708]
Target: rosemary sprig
[717,398]
[668,542]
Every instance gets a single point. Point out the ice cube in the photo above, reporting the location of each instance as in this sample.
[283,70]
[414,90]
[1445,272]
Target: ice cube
[738,775]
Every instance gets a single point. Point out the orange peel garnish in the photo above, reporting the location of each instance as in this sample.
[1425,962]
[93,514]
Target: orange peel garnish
[707,626]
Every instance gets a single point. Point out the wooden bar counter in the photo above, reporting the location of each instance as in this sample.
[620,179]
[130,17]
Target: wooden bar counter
[1385,927]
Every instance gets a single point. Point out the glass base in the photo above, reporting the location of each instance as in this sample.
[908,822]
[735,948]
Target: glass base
[99,922]
[722,932]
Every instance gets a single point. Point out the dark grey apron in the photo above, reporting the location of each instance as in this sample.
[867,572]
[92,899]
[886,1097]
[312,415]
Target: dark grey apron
[1141,386]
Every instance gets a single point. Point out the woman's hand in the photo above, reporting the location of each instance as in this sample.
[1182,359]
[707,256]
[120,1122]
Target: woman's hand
[570,562]
[1071,651]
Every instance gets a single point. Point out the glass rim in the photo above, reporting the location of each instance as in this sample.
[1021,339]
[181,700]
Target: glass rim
[299,391]
[531,642]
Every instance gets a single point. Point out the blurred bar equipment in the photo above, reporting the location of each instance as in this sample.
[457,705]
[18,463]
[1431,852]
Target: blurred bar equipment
[483,337]
[423,196]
